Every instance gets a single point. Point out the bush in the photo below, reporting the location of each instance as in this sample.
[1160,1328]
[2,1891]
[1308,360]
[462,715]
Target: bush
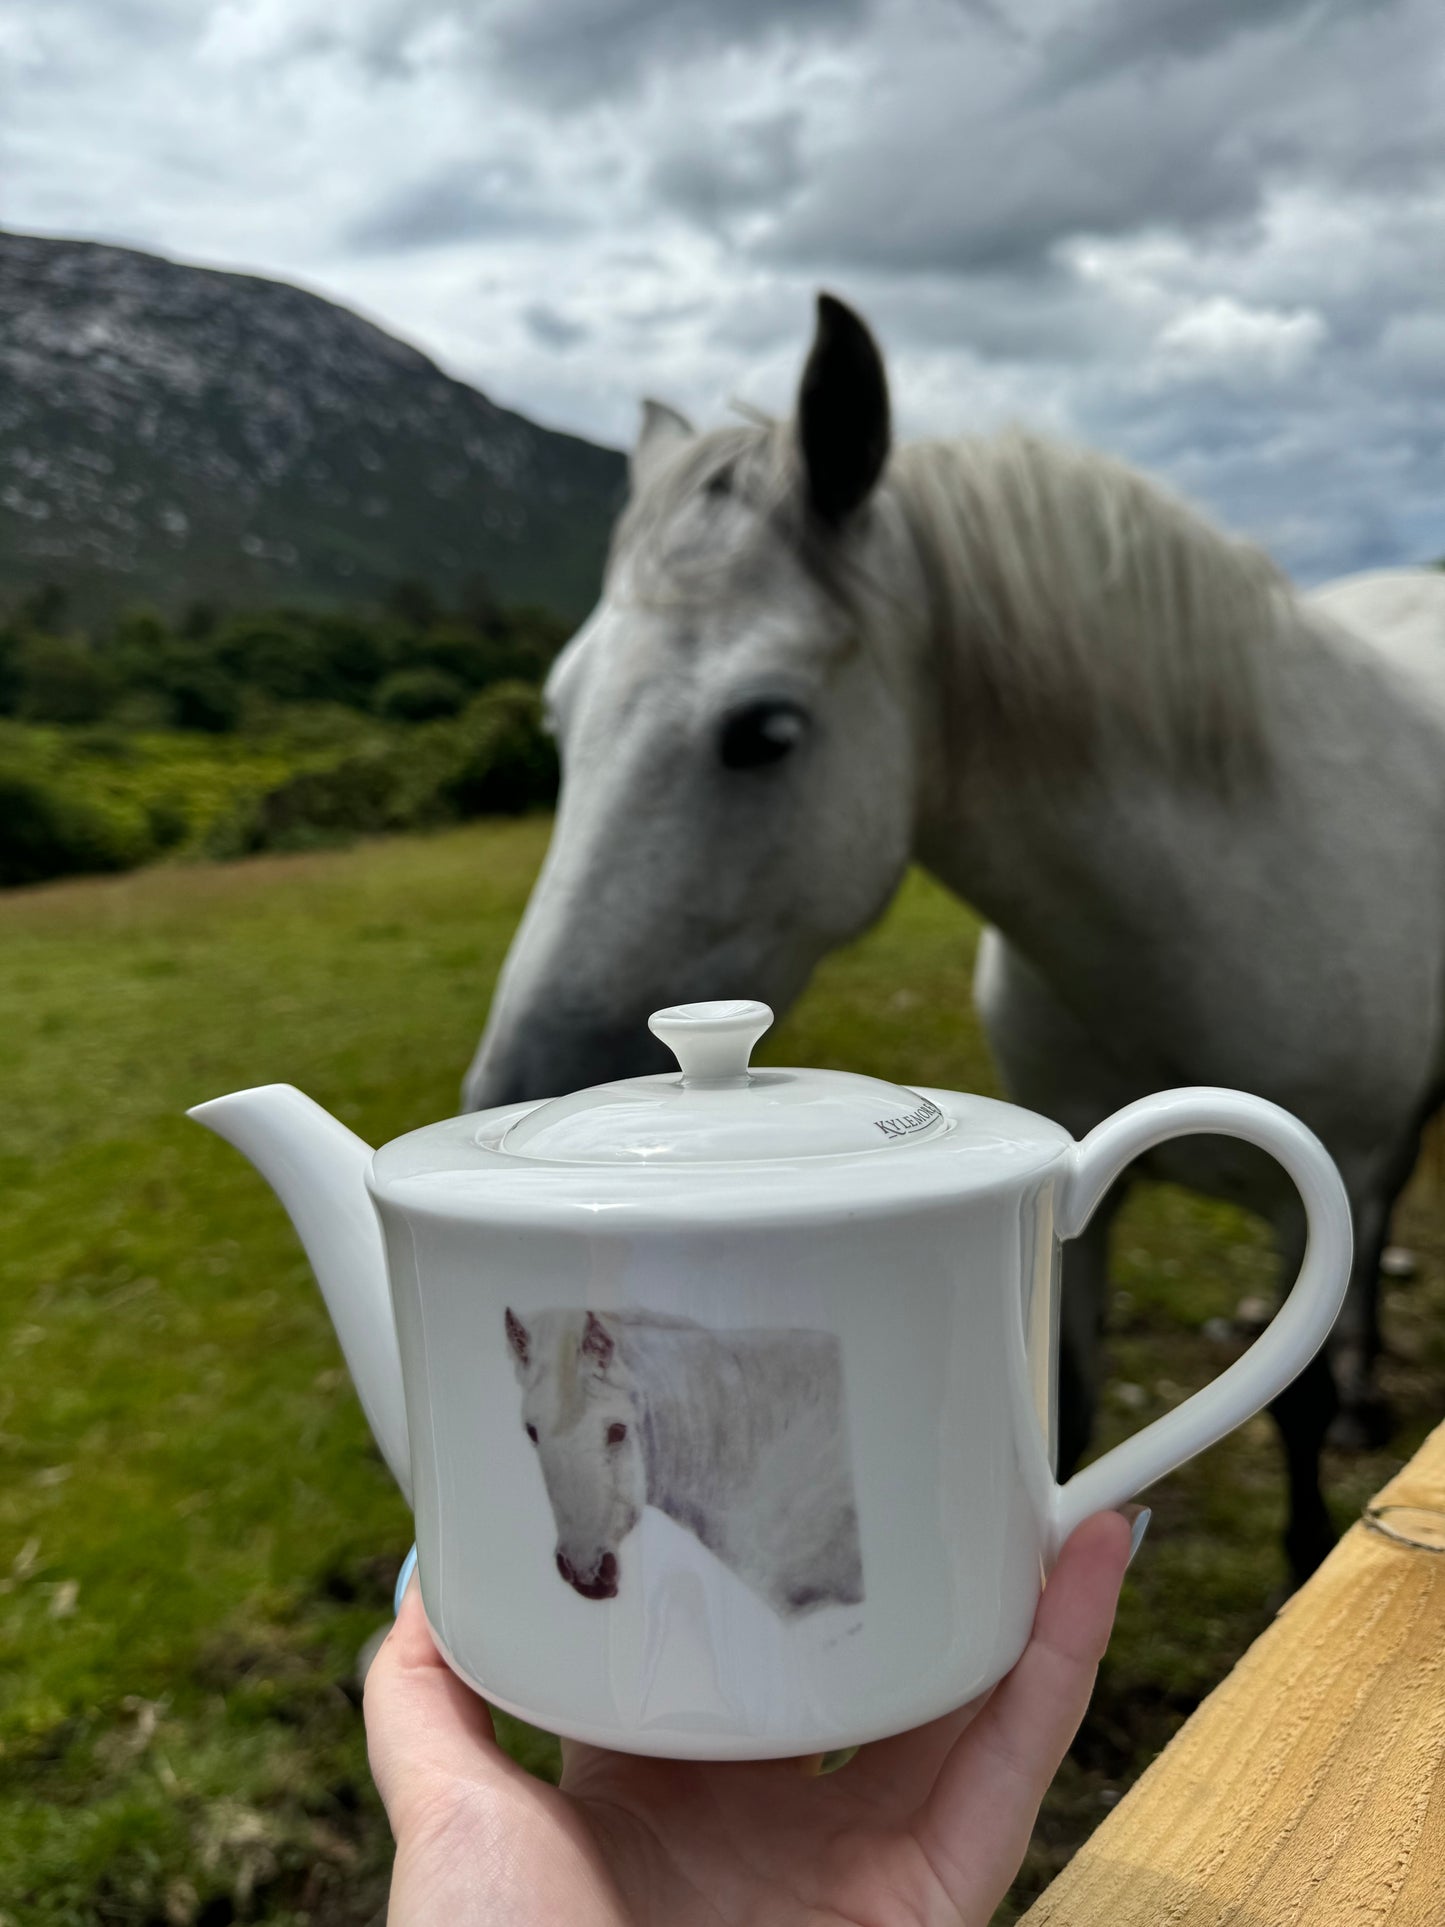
[493,759]
[223,735]
[508,762]
[196,690]
[61,680]
[419,696]
[45,832]
[209,672]
[355,797]
[201,695]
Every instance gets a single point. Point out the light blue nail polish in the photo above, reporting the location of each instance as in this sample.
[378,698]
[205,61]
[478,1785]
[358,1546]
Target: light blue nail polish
[408,1567]
[1136,1535]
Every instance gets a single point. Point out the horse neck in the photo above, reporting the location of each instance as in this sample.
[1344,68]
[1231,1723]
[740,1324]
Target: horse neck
[1121,844]
[1084,629]
[697,1417]
[659,1360]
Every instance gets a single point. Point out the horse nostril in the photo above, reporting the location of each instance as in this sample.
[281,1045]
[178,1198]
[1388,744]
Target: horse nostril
[600,1583]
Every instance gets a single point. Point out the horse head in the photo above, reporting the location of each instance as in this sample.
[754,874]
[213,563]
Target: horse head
[739,760]
[579,1411]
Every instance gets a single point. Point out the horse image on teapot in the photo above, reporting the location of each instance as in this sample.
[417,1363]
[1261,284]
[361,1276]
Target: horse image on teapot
[738,1436]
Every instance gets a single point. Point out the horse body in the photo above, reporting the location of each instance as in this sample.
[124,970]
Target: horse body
[737,1436]
[1290,941]
[1291,944]
[1204,816]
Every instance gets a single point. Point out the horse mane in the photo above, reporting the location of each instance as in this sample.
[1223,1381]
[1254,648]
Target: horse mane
[1074,601]
[1071,601]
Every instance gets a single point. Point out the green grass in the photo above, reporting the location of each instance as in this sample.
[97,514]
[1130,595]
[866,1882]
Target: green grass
[195,1533]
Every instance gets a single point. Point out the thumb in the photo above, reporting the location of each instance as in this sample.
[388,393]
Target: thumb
[976,1826]
[428,1736]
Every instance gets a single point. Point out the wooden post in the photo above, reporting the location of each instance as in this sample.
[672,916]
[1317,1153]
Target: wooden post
[1309,1788]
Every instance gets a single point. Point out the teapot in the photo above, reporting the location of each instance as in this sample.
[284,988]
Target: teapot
[725,1400]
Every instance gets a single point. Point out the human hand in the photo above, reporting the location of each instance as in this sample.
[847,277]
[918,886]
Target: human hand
[921,1830]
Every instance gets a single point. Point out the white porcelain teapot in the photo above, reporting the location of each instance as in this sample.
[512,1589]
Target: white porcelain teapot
[724,1400]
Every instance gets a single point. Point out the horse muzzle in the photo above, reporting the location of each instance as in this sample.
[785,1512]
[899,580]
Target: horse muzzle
[602,1584]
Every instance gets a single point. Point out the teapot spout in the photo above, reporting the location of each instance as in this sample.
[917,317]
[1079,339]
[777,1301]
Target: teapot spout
[318,1170]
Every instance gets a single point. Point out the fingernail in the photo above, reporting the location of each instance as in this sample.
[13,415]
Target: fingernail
[408,1567]
[1138,1517]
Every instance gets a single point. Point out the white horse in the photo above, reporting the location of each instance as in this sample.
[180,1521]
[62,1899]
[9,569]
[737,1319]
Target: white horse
[1204,814]
[736,1435]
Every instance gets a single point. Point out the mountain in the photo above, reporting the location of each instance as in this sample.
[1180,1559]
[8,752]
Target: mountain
[170,434]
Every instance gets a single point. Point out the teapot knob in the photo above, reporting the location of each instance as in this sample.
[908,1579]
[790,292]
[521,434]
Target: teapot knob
[712,1042]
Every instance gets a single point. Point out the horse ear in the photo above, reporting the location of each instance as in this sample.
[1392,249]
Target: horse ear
[597,1343]
[520,1340]
[662,433]
[843,423]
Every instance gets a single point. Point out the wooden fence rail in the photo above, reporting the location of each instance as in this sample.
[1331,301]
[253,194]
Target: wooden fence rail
[1309,1788]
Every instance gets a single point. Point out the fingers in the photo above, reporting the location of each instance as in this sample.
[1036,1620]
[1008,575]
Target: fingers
[898,1774]
[975,1828]
[426,1732]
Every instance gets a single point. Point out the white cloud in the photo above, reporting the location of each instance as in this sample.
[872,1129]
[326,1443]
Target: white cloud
[1224,339]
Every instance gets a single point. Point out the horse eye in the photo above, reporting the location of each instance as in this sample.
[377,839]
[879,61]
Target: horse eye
[616,1432]
[760,733]
[532,1433]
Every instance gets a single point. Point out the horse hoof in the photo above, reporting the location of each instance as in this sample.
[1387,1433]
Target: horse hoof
[1364,1426]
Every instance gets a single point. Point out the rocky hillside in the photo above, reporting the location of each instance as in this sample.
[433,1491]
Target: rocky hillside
[171,434]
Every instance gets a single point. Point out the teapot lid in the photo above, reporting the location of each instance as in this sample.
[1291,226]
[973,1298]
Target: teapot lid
[717,1109]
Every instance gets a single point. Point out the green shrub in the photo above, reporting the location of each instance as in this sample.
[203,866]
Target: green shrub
[45,832]
[419,696]
[220,735]
[197,690]
[106,744]
[61,680]
[508,763]
[12,649]
[492,759]
[210,671]
[169,822]
[353,798]
[201,695]
[389,784]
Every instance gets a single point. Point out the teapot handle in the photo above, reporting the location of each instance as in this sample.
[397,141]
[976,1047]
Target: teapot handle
[1286,1345]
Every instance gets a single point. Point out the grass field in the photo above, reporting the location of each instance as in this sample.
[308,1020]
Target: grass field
[195,1534]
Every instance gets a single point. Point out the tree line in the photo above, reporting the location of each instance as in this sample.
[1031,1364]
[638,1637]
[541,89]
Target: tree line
[411,660]
[222,734]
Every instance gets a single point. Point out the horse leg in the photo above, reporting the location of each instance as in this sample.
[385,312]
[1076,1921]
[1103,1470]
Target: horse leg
[1082,1318]
[1302,1413]
[1364,1421]
[1314,1408]
[1335,1398]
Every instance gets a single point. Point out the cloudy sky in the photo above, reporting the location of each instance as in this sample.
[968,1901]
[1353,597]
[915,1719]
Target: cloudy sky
[1206,234]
